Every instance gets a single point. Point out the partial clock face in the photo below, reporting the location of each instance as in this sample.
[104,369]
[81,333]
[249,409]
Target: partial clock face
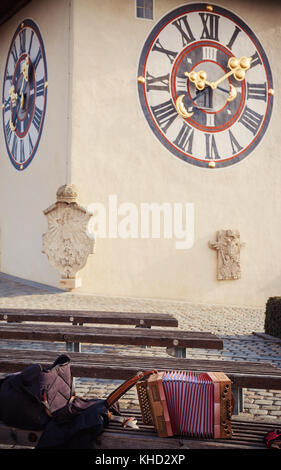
[205,85]
[24,94]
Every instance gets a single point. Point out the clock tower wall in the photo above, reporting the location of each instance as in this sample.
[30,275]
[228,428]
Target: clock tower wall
[98,136]
[25,193]
[115,153]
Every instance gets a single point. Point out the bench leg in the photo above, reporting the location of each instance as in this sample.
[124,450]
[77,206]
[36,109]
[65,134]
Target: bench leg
[143,326]
[74,347]
[238,396]
[176,352]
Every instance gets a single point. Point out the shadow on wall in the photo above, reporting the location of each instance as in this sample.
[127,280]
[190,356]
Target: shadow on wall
[11,286]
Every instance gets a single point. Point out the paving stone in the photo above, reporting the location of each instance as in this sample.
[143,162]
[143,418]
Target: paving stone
[264,402]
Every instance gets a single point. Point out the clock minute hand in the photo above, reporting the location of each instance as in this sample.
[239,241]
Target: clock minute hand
[24,79]
[238,68]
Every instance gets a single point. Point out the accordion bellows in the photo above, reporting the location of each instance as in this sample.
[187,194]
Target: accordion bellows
[187,403]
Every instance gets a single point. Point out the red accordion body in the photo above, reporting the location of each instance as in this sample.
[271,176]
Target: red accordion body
[188,403]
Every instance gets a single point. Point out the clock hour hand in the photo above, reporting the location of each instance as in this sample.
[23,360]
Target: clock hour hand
[13,99]
[198,78]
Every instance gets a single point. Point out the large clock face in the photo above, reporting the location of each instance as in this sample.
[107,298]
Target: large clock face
[24,94]
[205,85]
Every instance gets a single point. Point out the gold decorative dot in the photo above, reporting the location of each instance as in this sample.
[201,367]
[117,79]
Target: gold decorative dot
[141,79]
[212,164]
[46,84]
[271,92]
[22,25]
[209,8]
[21,167]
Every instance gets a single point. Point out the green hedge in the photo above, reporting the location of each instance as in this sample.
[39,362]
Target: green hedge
[272,324]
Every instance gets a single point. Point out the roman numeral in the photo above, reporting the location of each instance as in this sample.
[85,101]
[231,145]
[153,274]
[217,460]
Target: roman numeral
[184,28]
[211,148]
[165,114]
[14,53]
[22,156]
[7,105]
[8,132]
[37,118]
[15,147]
[8,76]
[255,60]
[159,48]
[30,144]
[210,120]
[256,91]
[209,53]
[37,59]
[157,83]
[22,36]
[251,120]
[40,87]
[30,42]
[184,139]
[236,147]
[233,37]
[210,26]
[181,83]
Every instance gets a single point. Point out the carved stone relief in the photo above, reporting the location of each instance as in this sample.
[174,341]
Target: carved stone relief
[67,243]
[228,246]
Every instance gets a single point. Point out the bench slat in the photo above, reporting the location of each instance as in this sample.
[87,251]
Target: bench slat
[127,336]
[89,316]
[110,366]
[245,435]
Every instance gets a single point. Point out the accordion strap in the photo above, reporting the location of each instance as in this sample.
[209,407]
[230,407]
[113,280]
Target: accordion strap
[125,386]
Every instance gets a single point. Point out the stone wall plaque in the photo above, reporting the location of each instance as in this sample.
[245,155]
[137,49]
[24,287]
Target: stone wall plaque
[68,243]
[228,246]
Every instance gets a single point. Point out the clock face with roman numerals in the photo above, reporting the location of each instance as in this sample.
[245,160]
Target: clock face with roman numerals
[205,85]
[24,94]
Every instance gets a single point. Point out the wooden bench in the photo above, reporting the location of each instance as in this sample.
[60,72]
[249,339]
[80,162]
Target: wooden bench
[176,341]
[112,366]
[79,317]
[246,435]
[121,367]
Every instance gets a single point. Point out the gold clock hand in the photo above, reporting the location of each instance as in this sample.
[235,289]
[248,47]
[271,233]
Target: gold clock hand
[13,97]
[181,109]
[198,78]
[238,69]
[232,93]
[12,94]
[25,69]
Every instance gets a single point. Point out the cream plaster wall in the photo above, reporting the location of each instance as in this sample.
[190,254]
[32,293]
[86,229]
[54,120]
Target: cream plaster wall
[24,195]
[115,152]
[96,137]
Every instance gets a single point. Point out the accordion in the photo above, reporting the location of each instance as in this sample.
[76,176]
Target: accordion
[186,403]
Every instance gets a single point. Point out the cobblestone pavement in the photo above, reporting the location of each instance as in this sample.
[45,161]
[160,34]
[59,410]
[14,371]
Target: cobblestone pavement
[235,325]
